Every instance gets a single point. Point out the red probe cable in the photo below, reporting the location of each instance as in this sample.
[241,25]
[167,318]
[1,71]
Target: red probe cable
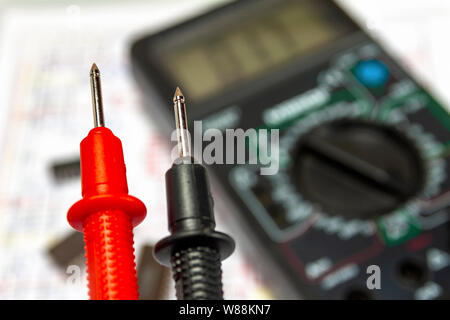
[106,214]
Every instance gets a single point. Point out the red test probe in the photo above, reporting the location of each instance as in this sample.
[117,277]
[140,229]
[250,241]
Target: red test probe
[106,214]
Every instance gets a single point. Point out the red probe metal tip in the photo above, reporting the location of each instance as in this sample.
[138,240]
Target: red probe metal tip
[106,214]
[97,102]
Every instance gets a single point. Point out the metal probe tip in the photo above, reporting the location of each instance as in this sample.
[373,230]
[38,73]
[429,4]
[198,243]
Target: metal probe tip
[184,141]
[178,95]
[97,101]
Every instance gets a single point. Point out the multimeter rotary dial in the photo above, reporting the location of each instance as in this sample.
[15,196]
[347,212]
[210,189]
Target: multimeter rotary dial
[357,169]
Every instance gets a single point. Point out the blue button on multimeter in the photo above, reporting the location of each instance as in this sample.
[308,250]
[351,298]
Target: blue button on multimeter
[372,73]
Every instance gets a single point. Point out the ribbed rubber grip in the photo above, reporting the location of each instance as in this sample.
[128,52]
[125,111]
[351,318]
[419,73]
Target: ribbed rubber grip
[111,269]
[197,274]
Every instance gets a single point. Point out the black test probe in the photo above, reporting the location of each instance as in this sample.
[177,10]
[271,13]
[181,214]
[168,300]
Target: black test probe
[194,249]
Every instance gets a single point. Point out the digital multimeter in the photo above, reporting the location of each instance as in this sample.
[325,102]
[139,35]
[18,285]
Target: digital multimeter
[363,184]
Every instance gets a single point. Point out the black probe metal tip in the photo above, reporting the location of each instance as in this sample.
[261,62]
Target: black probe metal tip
[194,249]
[184,141]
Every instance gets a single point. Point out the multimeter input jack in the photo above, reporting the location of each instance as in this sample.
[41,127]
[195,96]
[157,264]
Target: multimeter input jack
[412,273]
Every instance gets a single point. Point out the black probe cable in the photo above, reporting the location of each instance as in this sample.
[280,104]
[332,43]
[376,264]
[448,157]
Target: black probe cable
[194,250]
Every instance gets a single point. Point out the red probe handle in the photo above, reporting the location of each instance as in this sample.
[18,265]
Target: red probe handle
[107,215]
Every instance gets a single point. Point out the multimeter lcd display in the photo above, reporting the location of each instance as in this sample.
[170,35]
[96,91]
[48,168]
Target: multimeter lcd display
[228,54]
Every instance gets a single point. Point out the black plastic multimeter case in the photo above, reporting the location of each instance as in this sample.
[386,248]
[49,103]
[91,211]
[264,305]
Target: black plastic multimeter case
[363,183]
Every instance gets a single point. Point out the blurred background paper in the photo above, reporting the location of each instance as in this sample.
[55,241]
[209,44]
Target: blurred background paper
[46,50]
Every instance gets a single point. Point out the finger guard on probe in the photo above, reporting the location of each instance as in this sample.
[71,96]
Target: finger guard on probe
[103,180]
[190,214]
